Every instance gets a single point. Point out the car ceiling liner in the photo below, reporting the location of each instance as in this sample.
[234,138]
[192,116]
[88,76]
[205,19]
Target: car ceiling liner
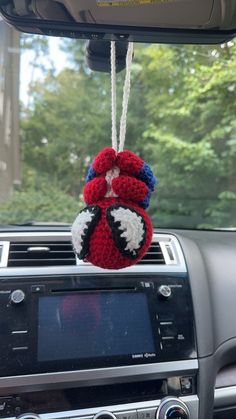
[114,230]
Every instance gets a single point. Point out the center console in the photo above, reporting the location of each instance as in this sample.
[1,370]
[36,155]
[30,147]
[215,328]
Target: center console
[98,347]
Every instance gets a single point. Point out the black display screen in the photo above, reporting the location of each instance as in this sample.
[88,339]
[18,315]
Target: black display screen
[94,324]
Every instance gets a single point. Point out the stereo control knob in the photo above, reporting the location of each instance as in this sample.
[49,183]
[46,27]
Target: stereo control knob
[104,414]
[28,416]
[164,291]
[172,408]
[17,297]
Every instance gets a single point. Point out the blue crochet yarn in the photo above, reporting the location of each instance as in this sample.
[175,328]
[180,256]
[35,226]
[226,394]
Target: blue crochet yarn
[91,174]
[145,203]
[147,176]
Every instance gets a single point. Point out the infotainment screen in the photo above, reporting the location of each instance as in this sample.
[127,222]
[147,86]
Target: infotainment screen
[94,324]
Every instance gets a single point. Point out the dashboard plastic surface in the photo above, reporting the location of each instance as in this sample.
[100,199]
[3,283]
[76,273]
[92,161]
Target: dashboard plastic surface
[211,263]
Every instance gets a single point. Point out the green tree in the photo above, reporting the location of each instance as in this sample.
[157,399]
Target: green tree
[46,202]
[191,137]
[181,120]
[70,122]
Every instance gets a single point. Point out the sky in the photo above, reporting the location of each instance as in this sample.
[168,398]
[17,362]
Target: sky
[57,56]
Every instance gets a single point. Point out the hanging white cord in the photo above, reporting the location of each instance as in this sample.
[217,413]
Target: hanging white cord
[113,96]
[126,93]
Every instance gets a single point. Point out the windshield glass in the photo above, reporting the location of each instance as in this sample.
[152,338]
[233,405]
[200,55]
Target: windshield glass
[55,116]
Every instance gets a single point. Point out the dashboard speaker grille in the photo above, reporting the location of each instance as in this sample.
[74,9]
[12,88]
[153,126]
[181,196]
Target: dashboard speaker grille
[154,255]
[56,253]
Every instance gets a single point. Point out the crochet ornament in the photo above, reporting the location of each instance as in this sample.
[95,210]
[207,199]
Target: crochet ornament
[114,231]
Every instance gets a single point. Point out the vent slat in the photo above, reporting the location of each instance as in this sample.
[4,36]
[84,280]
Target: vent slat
[41,255]
[20,263]
[37,259]
[154,256]
[147,262]
[59,254]
[23,247]
[21,252]
[155,253]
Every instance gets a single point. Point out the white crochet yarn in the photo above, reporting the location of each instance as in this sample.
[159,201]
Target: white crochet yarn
[79,228]
[126,93]
[132,227]
[113,96]
[110,175]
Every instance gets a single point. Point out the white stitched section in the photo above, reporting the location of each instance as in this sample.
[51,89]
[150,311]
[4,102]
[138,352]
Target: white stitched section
[79,228]
[110,175]
[131,225]
[126,93]
[113,96]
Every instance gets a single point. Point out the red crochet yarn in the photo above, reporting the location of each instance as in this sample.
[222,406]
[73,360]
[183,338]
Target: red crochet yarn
[103,251]
[124,186]
[114,231]
[129,163]
[95,190]
[104,161]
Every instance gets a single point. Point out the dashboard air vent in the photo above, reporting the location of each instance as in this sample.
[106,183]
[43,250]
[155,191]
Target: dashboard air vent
[54,253]
[154,255]
[4,249]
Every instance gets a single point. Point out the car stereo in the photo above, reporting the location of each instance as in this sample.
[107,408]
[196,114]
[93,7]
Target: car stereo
[67,323]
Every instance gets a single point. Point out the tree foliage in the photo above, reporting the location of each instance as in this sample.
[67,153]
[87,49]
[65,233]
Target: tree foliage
[181,119]
[39,200]
[191,136]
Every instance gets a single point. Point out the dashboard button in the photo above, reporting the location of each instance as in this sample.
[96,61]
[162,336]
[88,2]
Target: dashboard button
[164,291]
[38,288]
[176,413]
[166,317]
[17,410]
[28,416]
[168,345]
[17,297]
[19,340]
[6,406]
[129,414]
[2,406]
[186,384]
[147,413]
[168,330]
[172,408]
[17,349]
[104,414]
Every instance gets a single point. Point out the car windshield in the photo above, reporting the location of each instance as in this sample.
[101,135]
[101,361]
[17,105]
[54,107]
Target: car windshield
[55,116]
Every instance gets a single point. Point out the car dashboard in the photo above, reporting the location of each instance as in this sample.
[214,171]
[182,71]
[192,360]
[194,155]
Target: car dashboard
[153,341]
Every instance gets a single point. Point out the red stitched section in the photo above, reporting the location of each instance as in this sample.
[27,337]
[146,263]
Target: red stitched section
[104,161]
[129,188]
[102,248]
[95,190]
[129,163]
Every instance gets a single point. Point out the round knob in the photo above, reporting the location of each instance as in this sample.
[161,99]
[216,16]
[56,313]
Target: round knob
[17,297]
[104,414]
[164,291]
[28,416]
[172,408]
